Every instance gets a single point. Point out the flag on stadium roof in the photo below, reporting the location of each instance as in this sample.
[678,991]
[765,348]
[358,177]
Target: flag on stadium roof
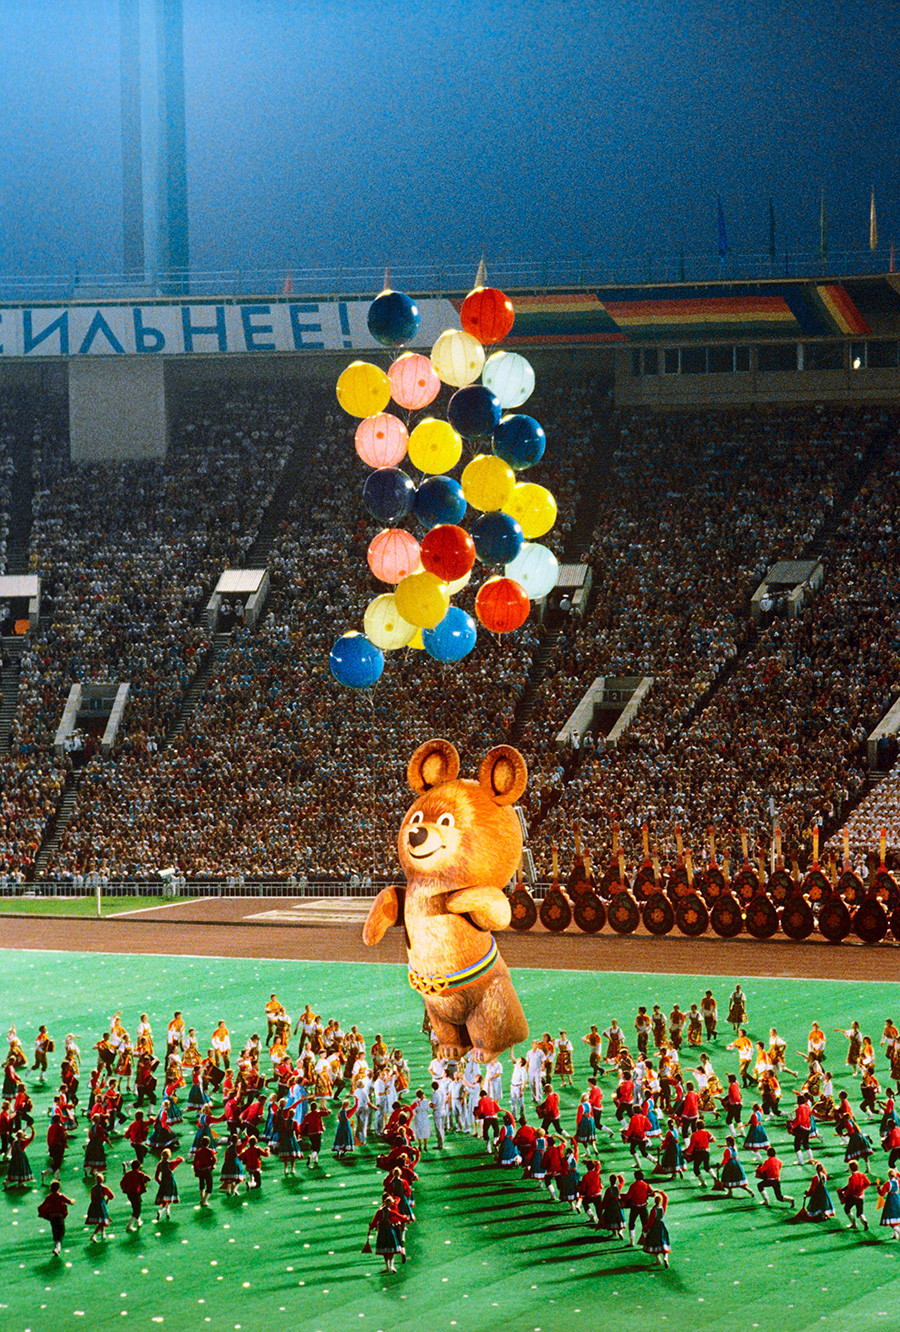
[873,224]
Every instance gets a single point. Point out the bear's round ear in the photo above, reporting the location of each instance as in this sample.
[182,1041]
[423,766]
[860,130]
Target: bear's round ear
[433,763]
[504,774]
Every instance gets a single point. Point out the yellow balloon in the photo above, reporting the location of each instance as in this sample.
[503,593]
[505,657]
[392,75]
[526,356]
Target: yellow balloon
[423,599]
[533,508]
[363,389]
[488,482]
[434,446]
[457,357]
[385,626]
[417,644]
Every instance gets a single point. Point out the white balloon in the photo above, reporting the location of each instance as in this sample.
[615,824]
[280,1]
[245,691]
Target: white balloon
[459,583]
[457,357]
[385,626]
[509,377]
[536,568]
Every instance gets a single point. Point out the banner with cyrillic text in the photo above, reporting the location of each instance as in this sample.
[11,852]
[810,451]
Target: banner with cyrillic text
[205,328]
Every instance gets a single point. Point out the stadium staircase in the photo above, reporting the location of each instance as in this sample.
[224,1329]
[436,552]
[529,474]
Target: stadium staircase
[9,701]
[293,474]
[20,520]
[217,650]
[539,667]
[21,513]
[57,825]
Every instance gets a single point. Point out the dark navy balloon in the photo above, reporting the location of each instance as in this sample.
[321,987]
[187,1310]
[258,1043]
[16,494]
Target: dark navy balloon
[393,318]
[474,411]
[520,441]
[355,662]
[388,495]
[498,538]
[453,638]
[439,499]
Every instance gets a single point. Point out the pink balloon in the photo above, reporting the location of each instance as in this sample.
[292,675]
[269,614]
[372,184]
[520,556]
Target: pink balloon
[414,381]
[393,554]
[381,440]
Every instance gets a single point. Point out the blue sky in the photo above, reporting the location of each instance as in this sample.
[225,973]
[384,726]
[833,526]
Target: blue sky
[361,132]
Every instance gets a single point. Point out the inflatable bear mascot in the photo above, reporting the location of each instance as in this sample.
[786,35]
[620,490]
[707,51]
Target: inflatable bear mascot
[459,844]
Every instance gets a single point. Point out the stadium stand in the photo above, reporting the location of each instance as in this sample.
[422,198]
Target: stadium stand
[692,509]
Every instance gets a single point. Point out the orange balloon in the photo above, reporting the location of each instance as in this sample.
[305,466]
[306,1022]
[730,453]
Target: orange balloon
[502,605]
[393,554]
[487,314]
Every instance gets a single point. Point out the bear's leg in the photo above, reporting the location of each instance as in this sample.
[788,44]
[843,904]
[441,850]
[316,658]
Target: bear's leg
[453,1040]
[497,1021]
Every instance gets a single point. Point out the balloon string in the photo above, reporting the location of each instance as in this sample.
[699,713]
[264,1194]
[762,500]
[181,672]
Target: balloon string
[372,749]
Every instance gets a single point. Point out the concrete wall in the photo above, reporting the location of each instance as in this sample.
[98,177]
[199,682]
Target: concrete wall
[50,378]
[117,409]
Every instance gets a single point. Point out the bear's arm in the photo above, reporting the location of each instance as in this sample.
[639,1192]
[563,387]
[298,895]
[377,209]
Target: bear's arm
[382,914]
[488,907]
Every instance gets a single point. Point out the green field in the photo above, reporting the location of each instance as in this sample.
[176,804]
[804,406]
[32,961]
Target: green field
[76,906]
[488,1250]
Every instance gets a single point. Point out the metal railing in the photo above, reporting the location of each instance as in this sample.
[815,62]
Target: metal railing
[430,278]
[61,889]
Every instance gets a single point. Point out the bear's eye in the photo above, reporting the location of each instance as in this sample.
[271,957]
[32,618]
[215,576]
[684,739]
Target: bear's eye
[418,817]
[446,821]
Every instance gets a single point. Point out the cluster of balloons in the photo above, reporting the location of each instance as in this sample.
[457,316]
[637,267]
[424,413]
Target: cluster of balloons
[509,513]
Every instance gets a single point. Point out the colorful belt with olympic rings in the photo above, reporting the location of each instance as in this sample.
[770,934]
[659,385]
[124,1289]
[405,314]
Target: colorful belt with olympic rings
[438,984]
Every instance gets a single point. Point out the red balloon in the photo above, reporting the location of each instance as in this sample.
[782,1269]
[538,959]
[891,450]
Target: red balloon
[487,314]
[447,551]
[502,605]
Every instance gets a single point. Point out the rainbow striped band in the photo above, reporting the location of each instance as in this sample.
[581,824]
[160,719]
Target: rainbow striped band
[437,984]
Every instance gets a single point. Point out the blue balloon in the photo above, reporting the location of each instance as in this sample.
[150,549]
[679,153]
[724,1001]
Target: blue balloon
[520,441]
[439,499]
[388,494]
[453,638]
[474,411]
[355,662]
[498,538]
[393,318]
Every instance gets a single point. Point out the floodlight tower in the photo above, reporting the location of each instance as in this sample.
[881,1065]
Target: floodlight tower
[154,159]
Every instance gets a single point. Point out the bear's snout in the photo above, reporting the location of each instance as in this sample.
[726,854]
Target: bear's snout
[417,836]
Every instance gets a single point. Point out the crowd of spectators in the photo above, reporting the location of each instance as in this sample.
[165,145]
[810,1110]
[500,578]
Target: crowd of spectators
[868,654]
[128,555]
[878,812]
[30,783]
[278,771]
[782,739]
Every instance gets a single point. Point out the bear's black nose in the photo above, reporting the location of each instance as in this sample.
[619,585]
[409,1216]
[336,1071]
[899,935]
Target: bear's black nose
[417,836]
